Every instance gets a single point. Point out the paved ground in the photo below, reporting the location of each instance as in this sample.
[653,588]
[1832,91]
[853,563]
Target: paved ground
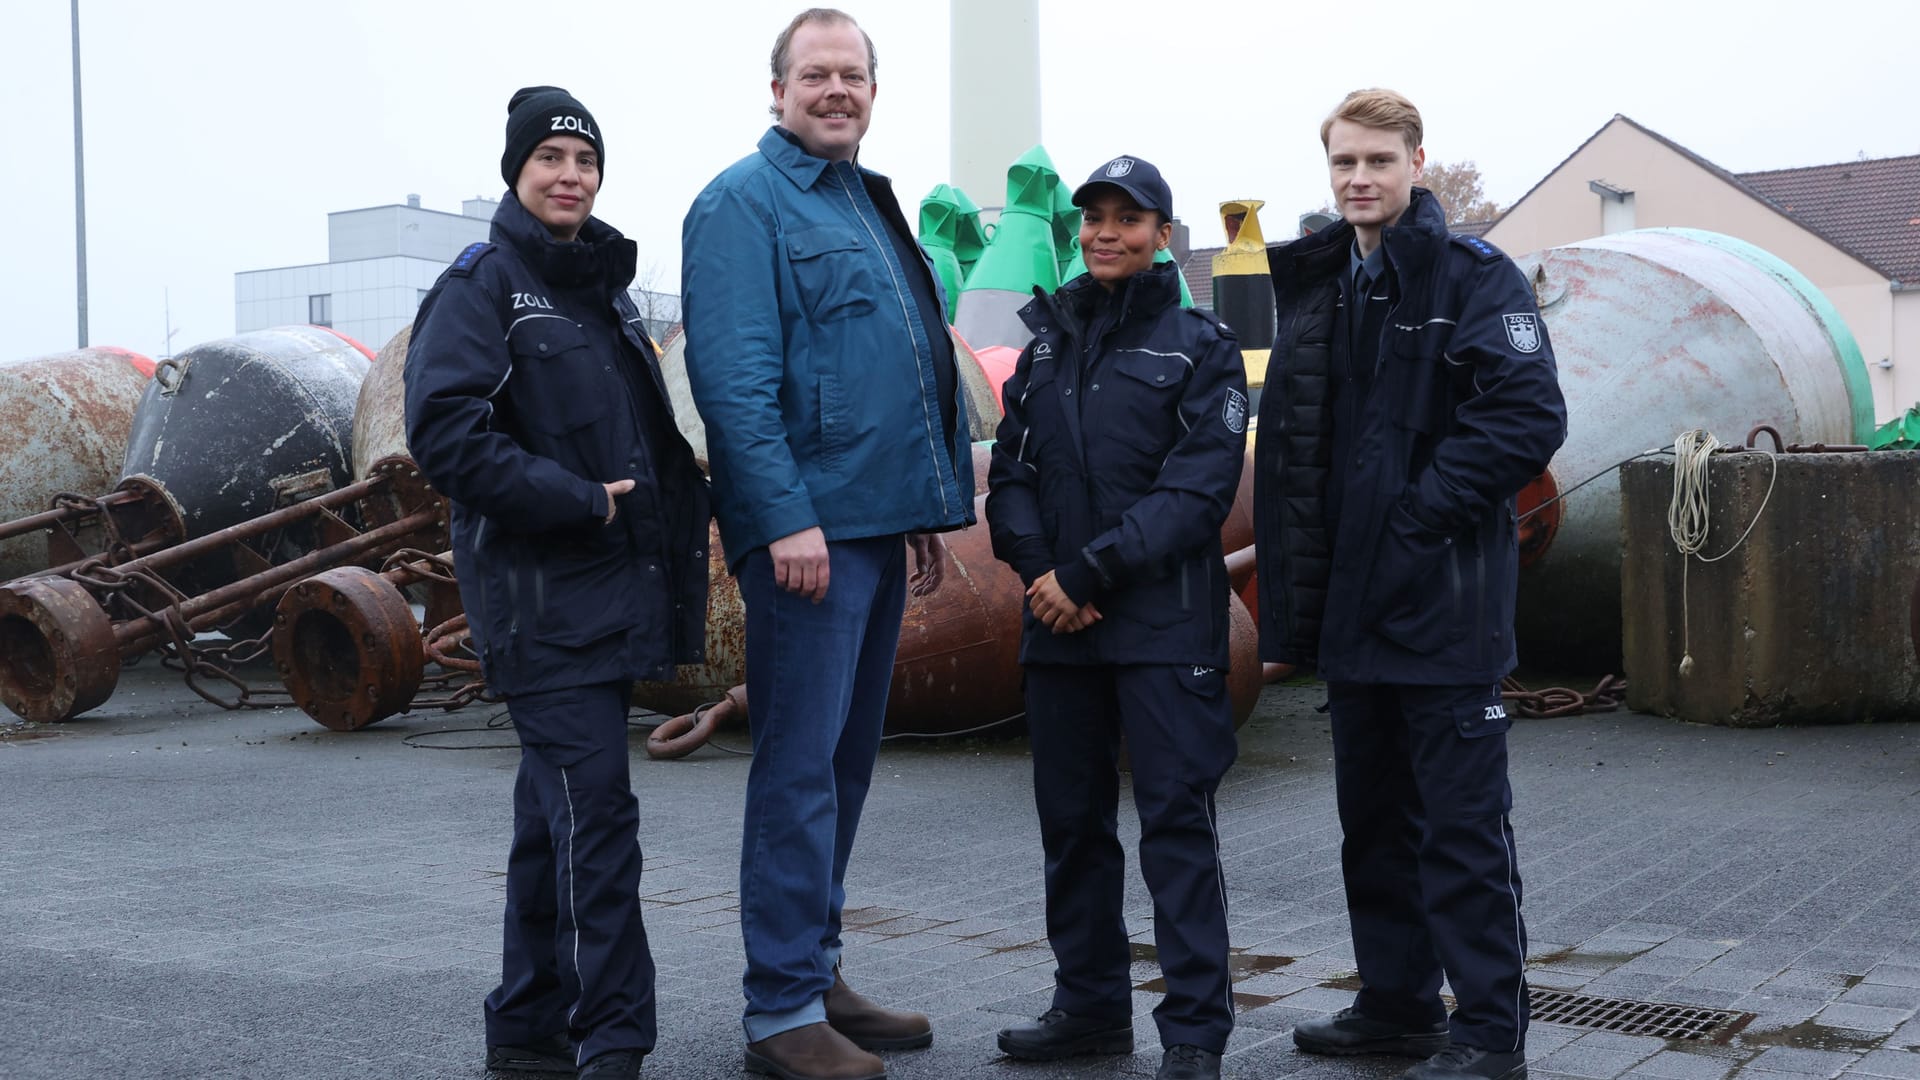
[191,893]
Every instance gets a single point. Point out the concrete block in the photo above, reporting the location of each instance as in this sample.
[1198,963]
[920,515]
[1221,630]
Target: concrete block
[1808,621]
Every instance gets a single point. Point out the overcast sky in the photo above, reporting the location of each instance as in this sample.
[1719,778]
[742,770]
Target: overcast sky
[221,132]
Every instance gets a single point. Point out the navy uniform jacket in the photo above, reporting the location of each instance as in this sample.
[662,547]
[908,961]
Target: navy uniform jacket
[530,384]
[1116,465]
[1463,411]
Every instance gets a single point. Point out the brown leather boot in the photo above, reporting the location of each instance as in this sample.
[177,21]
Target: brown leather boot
[813,1052]
[873,1027]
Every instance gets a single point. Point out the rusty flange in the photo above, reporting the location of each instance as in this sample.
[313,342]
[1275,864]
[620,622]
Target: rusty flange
[151,519]
[58,655]
[406,492]
[348,648]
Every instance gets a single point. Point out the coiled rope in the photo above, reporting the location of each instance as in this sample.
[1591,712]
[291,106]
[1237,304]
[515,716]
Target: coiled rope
[1687,517]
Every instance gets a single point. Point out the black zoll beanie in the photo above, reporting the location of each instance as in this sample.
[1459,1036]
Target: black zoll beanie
[537,112]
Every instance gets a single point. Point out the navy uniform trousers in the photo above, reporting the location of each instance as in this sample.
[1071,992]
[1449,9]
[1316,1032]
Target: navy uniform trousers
[1433,885]
[575,960]
[1178,724]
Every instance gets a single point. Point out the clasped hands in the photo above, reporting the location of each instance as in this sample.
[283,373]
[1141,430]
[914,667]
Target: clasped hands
[1053,607]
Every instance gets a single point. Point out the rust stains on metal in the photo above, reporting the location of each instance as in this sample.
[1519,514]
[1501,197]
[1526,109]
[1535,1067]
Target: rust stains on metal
[60,654]
[63,428]
[380,412]
[347,647]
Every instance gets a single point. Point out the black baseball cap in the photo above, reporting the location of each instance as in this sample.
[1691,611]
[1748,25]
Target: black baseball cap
[1135,176]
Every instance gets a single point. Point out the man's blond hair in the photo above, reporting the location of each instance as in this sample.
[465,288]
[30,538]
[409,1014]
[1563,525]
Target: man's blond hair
[1376,108]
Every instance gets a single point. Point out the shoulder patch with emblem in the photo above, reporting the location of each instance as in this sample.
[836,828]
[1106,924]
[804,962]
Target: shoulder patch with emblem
[1523,331]
[464,262]
[1234,412]
[1482,250]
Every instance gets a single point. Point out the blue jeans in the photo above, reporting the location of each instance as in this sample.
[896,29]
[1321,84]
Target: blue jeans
[817,678]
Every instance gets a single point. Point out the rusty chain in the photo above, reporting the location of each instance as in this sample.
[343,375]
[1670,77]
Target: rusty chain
[1607,695]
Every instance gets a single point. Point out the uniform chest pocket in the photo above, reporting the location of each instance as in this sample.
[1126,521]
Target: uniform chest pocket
[1418,374]
[559,385]
[1141,400]
[833,271]
[1161,371]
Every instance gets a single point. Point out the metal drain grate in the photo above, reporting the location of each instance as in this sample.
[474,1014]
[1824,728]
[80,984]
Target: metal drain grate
[1662,1021]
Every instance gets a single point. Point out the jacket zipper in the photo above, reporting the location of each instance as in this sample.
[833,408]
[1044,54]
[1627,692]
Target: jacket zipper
[1453,575]
[540,590]
[1480,601]
[513,593]
[480,593]
[906,316]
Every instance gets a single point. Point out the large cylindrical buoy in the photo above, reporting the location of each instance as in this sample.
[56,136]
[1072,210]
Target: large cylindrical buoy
[241,425]
[63,429]
[380,408]
[1243,291]
[1021,256]
[238,427]
[1656,332]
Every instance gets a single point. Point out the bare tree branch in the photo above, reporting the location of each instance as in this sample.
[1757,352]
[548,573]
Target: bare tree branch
[1458,188]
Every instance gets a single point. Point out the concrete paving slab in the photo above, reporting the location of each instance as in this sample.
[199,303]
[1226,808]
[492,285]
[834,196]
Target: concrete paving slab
[190,892]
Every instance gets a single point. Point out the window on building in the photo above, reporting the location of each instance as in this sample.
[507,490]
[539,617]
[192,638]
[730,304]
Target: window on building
[419,296]
[320,309]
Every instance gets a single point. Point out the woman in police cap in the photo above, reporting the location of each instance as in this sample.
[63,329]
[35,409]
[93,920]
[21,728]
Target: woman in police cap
[534,403]
[1112,474]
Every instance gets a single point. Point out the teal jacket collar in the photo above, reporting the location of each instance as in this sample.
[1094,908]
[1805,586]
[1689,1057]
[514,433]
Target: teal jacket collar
[783,149]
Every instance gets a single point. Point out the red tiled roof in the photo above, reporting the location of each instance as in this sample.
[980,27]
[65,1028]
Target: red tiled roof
[1871,208]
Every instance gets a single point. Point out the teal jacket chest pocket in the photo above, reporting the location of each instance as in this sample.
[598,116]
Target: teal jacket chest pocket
[834,273]
[558,384]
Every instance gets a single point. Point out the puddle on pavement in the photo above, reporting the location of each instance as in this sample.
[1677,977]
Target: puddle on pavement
[1811,1035]
[1571,956]
[1240,965]
[25,732]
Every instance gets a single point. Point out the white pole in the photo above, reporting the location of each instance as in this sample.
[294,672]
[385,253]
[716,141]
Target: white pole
[996,94]
[79,185]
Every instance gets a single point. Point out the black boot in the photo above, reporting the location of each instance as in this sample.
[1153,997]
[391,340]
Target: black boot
[613,1065]
[1348,1032]
[553,1054]
[1057,1035]
[1188,1063]
[1459,1062]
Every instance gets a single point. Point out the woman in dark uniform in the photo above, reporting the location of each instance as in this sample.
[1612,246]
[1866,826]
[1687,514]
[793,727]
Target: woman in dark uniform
[1112,474]
[534,403]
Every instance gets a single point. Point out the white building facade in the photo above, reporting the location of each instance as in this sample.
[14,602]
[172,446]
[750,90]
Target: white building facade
[381,261]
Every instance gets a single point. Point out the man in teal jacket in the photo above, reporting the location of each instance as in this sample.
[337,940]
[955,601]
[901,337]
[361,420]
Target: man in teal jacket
[820,363]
